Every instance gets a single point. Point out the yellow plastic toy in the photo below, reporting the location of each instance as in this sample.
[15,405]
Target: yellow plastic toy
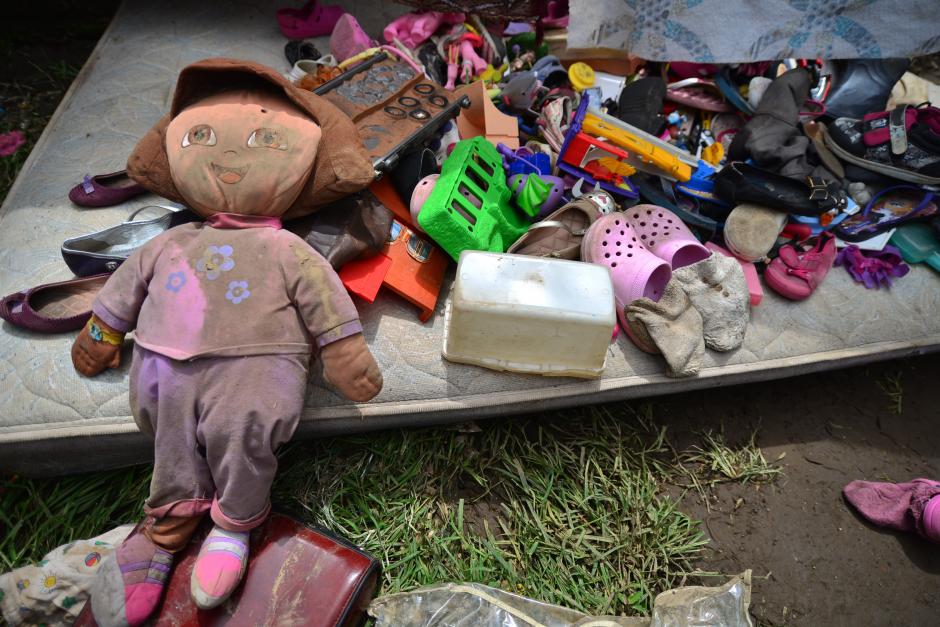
[646,152]
[714,153]
[581,76]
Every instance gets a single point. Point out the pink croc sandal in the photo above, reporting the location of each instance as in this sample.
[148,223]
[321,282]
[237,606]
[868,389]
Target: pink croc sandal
[634,271]
[348,38]
[662,233]
[311,20]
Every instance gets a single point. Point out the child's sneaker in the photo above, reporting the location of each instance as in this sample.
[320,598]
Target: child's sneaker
[903,143]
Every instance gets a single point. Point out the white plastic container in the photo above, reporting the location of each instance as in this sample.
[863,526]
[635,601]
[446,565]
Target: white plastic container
[529,314]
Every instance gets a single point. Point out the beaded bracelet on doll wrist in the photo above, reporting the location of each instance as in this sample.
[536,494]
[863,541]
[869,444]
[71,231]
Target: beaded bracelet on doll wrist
[99,334]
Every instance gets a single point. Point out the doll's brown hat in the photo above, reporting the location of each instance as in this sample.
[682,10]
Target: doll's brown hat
[341,166]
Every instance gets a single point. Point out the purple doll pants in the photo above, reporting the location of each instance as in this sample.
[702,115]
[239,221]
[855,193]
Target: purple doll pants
[216,423]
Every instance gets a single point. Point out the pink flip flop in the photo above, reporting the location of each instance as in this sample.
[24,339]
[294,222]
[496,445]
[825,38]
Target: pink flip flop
[634,271]
[662,233]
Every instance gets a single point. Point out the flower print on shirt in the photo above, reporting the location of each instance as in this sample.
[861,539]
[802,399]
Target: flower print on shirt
[237,291]
[215,260]
[175,282]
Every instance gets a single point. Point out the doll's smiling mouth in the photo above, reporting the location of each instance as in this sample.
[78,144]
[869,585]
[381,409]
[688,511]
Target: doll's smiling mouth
[229,175]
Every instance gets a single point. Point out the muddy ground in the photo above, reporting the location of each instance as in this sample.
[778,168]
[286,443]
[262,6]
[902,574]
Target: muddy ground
[815,562]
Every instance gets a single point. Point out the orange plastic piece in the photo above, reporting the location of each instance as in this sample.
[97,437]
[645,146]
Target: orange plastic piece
[483,118]
[364,277]
[385,192]
[410,265]
[417,270]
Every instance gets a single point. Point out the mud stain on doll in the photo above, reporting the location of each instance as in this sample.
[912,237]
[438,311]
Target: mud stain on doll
[322,276]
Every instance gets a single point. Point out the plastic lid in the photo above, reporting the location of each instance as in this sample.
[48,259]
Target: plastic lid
[581,76]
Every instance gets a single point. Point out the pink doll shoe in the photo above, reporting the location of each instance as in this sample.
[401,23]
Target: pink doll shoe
[665,235]
[420,195]
[348,38]
[130,583]
[219,567]
[634,271]
[311,20]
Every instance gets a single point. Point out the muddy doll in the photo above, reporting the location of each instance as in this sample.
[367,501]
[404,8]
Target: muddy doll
[226,314]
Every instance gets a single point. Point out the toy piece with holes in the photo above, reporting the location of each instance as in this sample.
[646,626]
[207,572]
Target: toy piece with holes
[469,208]
[393,107]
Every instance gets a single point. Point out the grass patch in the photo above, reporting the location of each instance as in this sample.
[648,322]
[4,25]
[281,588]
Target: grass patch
[714,461]
[38,515]
[26,110]
[567,514]
[892,387]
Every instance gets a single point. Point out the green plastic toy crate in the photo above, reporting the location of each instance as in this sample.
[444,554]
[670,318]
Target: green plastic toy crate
[469,207]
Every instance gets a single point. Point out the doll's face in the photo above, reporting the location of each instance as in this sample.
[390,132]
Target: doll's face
[247,152]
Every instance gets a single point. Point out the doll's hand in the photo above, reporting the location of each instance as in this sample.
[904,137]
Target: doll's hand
[350,367]
[89,355]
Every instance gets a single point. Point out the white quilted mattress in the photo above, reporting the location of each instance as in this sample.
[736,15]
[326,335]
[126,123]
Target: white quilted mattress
[53,421]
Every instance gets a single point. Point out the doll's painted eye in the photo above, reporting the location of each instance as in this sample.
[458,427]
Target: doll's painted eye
[267,138]
[201,134]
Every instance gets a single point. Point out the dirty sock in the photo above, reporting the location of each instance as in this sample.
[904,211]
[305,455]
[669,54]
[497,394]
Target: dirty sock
[130,582]
[672,325]
[219,567]
[718,290]
[912,506]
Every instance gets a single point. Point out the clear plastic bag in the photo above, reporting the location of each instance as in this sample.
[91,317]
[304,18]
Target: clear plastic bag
[476,605]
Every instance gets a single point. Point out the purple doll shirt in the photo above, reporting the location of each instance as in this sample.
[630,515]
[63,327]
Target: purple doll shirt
[234,285]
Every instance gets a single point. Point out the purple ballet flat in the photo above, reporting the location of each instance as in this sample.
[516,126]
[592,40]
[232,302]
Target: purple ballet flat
[54,307]
[105,190]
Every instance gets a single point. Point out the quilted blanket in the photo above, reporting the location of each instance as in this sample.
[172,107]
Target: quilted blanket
[732,31]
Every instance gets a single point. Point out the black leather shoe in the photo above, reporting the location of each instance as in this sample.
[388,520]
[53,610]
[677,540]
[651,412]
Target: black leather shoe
[860,86]
[739,183]
[105,250]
